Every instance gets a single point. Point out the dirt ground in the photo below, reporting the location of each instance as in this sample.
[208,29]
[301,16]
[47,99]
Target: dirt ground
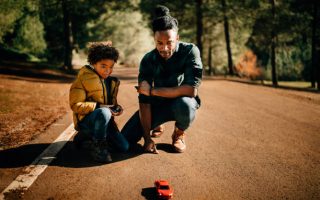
[247,142]
[30,101]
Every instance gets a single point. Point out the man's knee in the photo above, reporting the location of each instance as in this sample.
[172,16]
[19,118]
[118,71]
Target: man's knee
[124,146]
[184,105]
[184,111]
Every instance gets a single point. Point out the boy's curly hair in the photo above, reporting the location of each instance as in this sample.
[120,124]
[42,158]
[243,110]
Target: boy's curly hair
[102,50]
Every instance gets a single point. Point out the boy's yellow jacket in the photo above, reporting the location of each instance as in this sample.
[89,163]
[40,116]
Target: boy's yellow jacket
[89,90]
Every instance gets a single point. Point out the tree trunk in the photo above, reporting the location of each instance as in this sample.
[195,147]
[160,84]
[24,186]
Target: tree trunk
[315,70]
[199,24]
[273,46]
[227,36]
[211,70]
[68,37]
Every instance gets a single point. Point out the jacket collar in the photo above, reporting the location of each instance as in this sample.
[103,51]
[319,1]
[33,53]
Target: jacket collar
[90,67]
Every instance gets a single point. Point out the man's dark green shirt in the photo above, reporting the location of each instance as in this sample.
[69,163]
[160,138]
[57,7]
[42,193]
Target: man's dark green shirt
[184,67]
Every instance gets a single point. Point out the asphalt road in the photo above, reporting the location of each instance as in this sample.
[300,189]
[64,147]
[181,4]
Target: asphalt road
[247,142]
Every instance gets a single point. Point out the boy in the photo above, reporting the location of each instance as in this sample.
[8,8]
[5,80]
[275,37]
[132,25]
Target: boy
[93,100]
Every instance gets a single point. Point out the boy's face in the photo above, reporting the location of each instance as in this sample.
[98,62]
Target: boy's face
[104,67]
[166,42]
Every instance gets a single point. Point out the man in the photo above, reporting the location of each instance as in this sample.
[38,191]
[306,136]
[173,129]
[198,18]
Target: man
[169,77]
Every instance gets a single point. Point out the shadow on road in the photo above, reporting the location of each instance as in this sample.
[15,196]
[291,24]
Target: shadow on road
[149,193]
[37,75]
[69,156]
[20,156]
[166,147]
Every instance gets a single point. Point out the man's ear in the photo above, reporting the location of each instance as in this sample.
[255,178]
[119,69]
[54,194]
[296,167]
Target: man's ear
[178,37]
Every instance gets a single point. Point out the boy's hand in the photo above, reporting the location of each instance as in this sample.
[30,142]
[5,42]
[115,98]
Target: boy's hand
[115,110]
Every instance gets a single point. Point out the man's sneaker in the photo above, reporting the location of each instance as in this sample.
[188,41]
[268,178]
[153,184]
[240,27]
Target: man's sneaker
[158,131]
[100,153]
[178,140]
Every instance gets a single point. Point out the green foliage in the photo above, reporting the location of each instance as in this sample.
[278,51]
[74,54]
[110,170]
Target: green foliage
[293,44]
[23,29]
[183,11]
[83,16]
[129,35]
[29,37]
[13,54]
[10,11]
[37,27]
[52,19]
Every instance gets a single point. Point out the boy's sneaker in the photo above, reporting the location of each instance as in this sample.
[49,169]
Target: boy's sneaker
[82,140]
[178,140]
[99,152]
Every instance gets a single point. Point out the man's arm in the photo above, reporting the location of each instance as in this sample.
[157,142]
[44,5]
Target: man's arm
[145,80]
[145,119]
[173,92]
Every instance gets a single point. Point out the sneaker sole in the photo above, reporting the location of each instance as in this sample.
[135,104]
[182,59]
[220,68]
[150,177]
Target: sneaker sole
[178,149]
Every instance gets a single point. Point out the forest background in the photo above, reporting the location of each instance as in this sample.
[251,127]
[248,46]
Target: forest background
[275,40]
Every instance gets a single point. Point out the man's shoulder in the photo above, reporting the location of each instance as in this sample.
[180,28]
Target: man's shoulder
[186,45]
[151,55]
[186,48]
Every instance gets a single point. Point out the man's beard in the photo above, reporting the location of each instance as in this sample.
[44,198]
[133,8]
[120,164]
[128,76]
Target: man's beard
[166,54]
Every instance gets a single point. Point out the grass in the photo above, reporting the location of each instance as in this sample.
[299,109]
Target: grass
[293,84]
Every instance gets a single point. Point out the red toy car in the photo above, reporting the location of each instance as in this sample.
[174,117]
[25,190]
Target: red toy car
[164,191]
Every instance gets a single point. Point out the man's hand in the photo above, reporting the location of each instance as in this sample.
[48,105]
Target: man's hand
[144,88]
[150,147]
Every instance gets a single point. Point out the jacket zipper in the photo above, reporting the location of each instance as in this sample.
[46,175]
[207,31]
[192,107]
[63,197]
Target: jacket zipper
[104,95]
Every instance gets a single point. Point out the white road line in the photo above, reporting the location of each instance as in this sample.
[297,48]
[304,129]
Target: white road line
[31,173]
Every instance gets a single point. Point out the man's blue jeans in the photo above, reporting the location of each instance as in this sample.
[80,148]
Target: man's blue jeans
[182,110]
[97,124]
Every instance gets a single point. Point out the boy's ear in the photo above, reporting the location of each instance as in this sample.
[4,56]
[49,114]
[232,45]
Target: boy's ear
[178,37]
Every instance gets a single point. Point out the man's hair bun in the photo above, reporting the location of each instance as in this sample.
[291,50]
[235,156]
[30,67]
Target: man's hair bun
[163,20]
[161,11]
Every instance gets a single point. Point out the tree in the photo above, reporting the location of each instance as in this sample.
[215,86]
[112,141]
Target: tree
[130,35]
[274,39]
[10,12]
[211,69]
[226,25]
[199,24]
[315,45]
[71,21]
[21,28]
[273,45]
[227,36]
[68,36]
